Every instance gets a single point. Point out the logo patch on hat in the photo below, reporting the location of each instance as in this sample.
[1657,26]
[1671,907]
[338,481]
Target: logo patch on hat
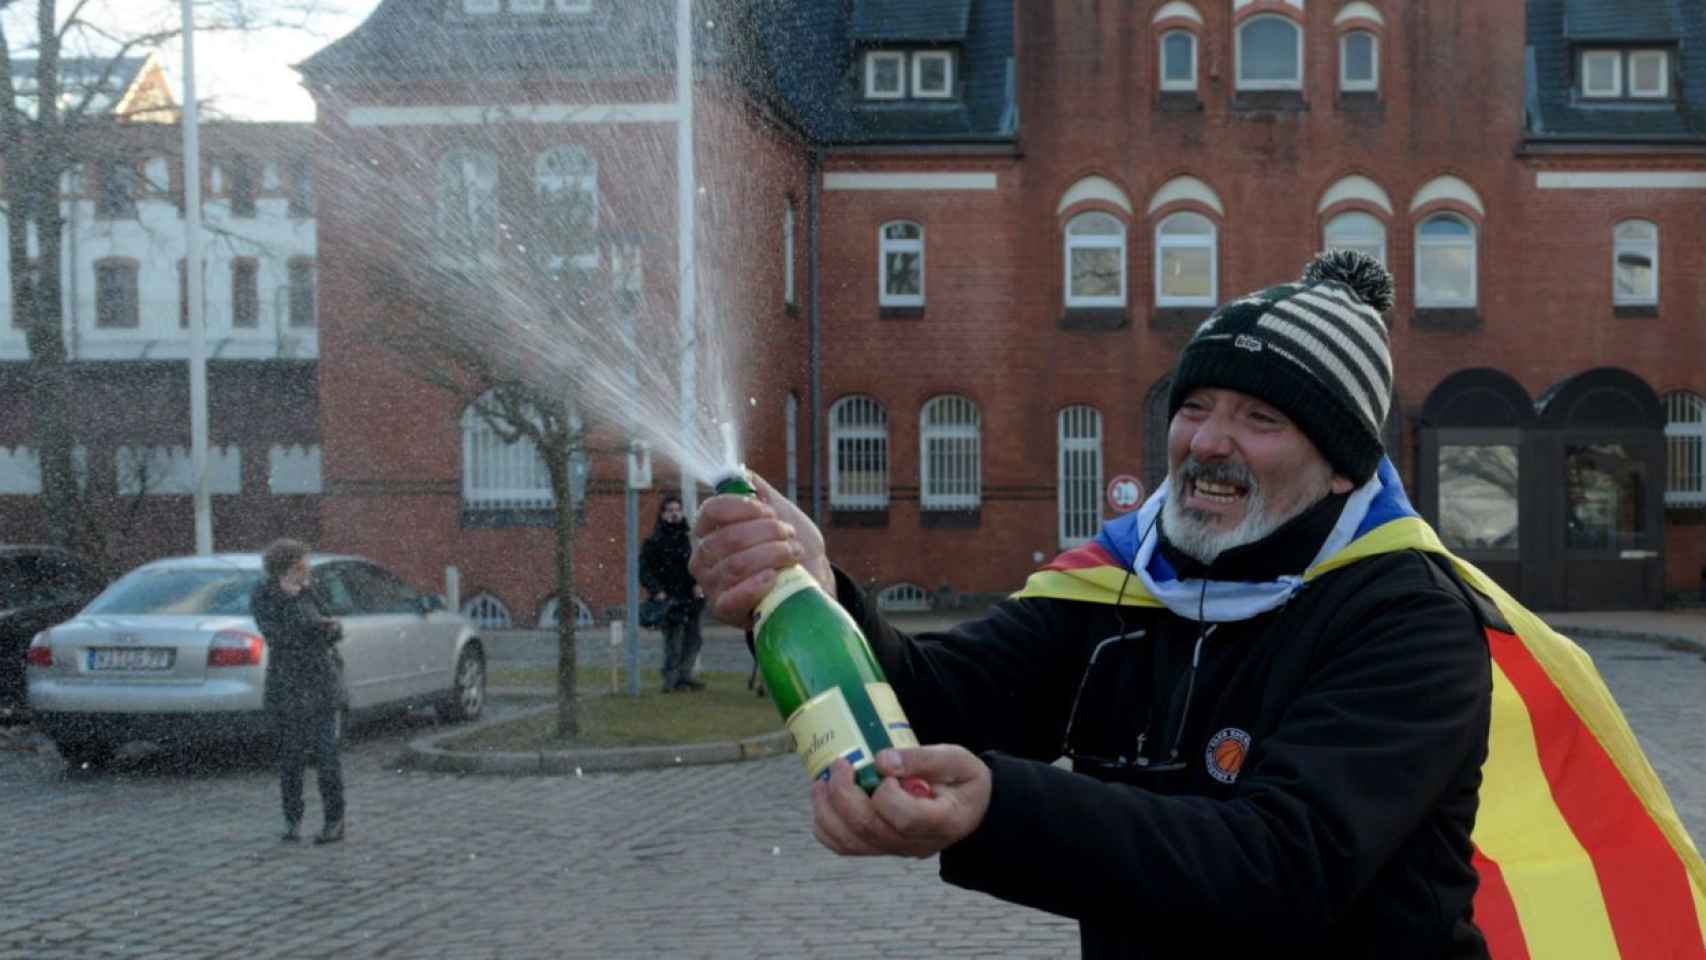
[1246,342]
[1225,754]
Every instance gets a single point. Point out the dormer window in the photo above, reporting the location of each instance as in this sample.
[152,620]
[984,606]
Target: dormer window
[885,75]
[933,74]
[1625,74]
[888,74]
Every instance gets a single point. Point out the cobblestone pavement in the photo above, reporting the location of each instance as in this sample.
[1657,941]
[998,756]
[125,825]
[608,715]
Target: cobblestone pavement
[172,858]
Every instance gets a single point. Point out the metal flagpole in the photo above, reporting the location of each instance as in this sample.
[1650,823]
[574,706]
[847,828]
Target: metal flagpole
[685,224]
[193,283]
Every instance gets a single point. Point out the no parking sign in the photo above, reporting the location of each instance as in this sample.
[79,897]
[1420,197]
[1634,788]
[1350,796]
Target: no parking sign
[1125,492]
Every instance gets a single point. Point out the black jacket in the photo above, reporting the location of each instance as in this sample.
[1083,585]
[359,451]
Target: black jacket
[663,568]
[1359,712]
[302,663]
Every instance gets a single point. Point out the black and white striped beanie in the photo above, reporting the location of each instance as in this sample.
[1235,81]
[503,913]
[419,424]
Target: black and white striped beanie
[1316,349]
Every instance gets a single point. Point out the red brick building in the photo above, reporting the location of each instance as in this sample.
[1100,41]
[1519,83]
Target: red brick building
[967,238]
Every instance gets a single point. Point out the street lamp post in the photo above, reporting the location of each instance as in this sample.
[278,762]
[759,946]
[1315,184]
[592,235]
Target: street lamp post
[193,281]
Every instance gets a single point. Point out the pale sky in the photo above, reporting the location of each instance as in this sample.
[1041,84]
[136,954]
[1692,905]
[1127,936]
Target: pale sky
[247,76]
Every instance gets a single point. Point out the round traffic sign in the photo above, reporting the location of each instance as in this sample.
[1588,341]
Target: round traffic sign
[1125,492]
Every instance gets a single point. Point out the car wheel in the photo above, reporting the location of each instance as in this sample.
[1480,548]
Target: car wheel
[468,694]
[85,753]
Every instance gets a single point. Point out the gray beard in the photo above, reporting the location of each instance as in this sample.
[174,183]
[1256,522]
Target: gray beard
[1191,531]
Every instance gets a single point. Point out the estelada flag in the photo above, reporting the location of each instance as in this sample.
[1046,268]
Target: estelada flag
[1579,851]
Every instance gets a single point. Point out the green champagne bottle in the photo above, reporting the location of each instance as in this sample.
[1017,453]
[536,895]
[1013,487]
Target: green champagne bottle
[822,676]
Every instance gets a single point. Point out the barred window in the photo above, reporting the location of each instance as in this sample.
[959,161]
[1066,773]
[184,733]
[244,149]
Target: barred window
[1685,449]
[950,459]
[903,597]
[566,182]
[858,454]
[498,474]
[487,611]
[548,614]
[1080,478]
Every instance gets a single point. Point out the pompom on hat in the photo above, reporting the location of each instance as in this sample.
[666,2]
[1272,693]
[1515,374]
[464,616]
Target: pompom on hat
[1317,349]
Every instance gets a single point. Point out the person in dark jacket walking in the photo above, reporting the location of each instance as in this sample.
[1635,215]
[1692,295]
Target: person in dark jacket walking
[664,575]
[301,686]
[1276,708]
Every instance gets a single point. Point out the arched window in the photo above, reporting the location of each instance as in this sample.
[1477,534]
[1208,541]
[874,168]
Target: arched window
[1445,262]
[858,454]
[487,611]
[565,181]
[468,204]
[500,474]
[900,264]
[1186,272]
[1359,231]
[949,455]
[903,598]
[548,614]
[1685,449]
[1635,263]
[1270,54]
[1079,482]
[1095,261]
[1359,62]
[1178,60]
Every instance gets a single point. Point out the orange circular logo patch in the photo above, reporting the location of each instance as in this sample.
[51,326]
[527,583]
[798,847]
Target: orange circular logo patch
[1226,752]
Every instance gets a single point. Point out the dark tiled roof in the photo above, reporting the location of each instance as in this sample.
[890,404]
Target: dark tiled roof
[1622,19]
[413,40]
[811,55]
[1556,28]
[917,20]
[78,77]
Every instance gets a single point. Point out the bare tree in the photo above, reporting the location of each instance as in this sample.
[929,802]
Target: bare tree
[59,126]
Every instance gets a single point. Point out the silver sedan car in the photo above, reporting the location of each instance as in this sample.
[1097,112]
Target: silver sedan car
[170,652]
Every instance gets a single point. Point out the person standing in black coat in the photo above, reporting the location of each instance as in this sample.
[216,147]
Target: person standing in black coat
[301,685]
[663,573]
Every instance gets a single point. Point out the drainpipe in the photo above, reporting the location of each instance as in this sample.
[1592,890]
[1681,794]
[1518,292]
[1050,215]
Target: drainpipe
[814,325]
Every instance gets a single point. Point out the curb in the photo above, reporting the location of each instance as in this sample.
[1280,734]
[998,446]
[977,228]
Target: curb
[424,753]
[1670,641]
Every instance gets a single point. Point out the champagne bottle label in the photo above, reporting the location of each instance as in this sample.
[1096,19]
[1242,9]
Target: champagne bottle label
[893,718]
[788,582]
[823,729]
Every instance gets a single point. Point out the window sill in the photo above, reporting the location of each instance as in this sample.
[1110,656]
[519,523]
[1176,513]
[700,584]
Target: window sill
[1635,310]
[859,519]
[1178,319]
[1269,101]
[1361,101]
[1446,318]
[1092,319]
[900,313]
[1178,101]
[951,519]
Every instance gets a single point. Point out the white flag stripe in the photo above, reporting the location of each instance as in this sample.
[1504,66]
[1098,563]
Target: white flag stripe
[1305,334]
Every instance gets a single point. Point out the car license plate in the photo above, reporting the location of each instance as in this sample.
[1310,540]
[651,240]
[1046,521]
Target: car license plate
[130,658]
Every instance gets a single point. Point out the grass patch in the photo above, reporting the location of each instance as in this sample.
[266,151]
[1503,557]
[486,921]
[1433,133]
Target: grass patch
[724,710]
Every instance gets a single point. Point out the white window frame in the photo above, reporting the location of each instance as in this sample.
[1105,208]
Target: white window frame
[950,478]
[1663,89]
[574,6]
[919,59]
[1295,83]
[872,57]
[903,598]
[1380,240]
[1648,246]
[887,245]
[1188,241]
[478,247]
[788,293]
[1189,85]
[1078,489]
[1685,439]
[1370,85]
[526,6]
[548,614]
[481,7]
[862,420]
[498,475]
[1474,261]
[488,611]
[1096,242]
[1616,89]
[585,180]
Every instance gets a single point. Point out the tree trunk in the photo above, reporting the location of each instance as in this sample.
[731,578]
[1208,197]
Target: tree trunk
[568,714]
